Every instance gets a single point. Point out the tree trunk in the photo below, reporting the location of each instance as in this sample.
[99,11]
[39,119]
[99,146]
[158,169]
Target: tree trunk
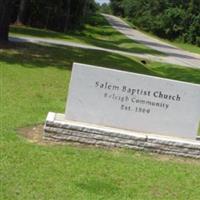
[85,8]
[67,16]
[5,12]
[21,12]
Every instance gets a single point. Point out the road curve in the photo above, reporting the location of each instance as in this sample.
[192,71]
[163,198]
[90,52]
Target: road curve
[174,54]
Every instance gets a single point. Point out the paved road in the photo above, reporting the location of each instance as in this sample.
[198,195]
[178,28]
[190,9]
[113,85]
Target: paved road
[164,59]
[174,54]
[85,46]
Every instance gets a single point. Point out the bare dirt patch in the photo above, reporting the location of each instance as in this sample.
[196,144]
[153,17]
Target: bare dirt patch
[33,134]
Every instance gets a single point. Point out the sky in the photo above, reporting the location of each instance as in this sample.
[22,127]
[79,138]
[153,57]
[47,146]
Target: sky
[102,1]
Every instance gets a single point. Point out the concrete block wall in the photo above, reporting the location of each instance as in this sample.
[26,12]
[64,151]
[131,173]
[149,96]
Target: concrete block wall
[59,129]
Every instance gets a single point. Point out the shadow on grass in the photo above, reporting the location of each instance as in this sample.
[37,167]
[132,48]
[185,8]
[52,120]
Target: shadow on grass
[33,56]
[99,26]
[97,32]
[98,186]
[62,57]
[88,38]
[121,44]
[176,72]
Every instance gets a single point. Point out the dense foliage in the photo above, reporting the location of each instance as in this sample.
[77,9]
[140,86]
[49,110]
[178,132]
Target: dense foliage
[104,8]
[59,15]
[169,19]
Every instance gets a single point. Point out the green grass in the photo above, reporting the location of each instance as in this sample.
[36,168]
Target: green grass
[175,72]
[177,43]
[97,32]
[186,46]
[34,79]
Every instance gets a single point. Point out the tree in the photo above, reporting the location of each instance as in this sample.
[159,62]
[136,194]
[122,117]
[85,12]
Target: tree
[5,15]
[105,8]
[21,17]
[117,7]
[166,18]
[67,13]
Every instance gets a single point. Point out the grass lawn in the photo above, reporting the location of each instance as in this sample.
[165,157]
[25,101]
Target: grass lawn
[186,46]
[34,81]
[97,32]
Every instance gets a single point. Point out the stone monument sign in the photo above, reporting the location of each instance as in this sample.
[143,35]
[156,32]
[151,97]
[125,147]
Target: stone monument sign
[133,101]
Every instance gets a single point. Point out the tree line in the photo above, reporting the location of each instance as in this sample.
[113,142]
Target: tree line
[171,19]
[58,15]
